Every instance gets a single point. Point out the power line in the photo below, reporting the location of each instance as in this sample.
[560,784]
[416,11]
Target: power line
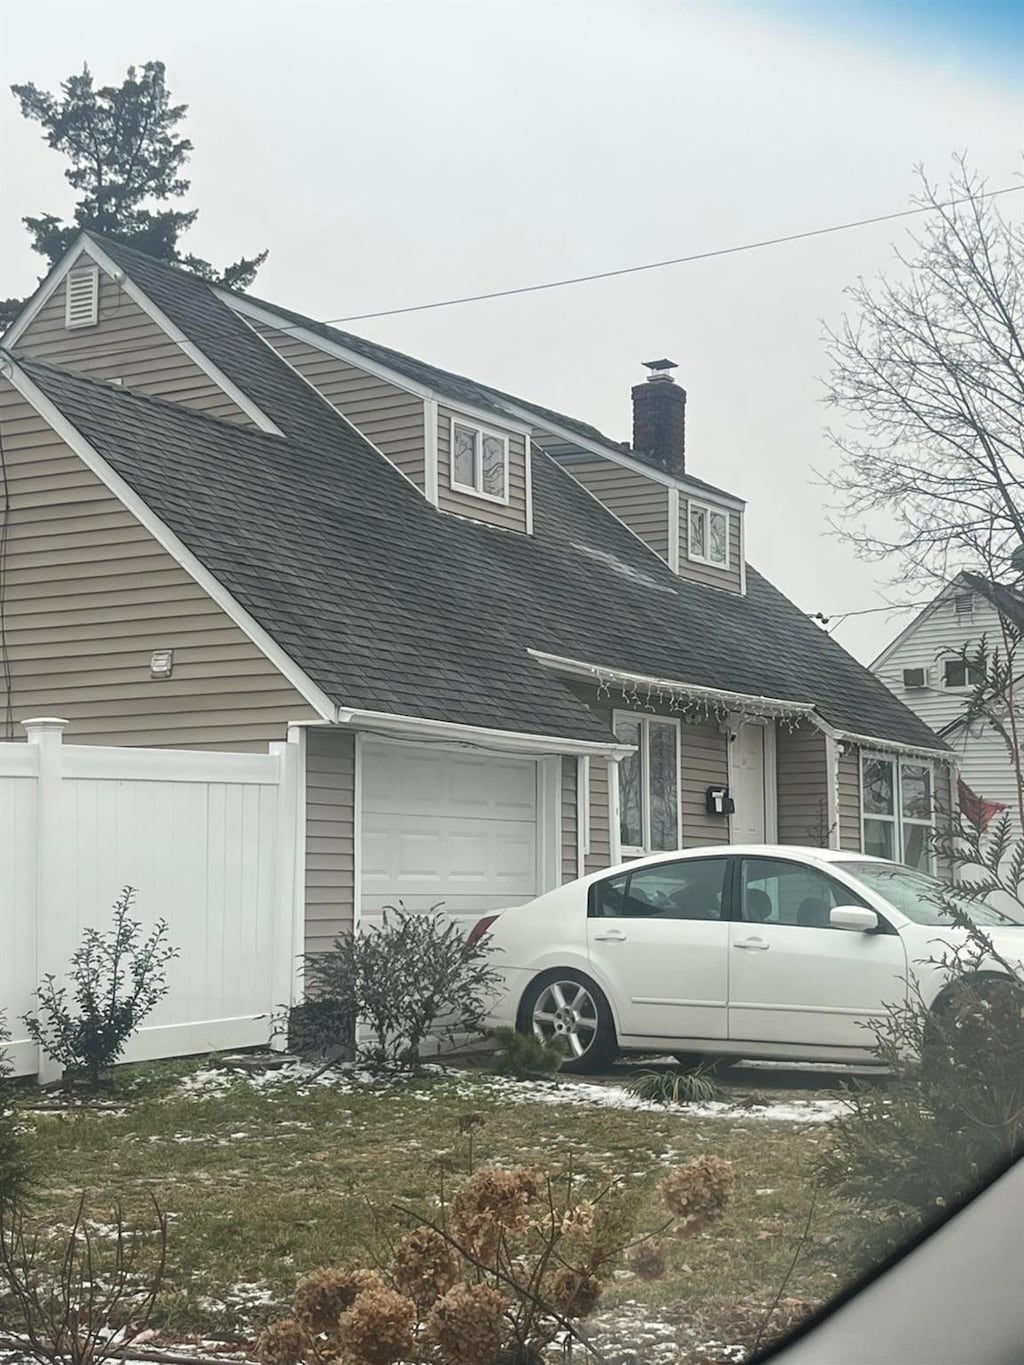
[612,274]
[660,265]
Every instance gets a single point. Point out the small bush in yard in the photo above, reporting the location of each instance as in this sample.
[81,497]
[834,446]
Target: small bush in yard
[14,1173]
[675,1087]
[412,977]
[952,1110]
[117,978]
[510,1261]
[524,1055]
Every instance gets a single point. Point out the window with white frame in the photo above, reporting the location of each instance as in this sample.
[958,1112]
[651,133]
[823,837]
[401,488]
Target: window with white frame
[961,672]
[898,809]
[648,783]
[707,539]
[479,461]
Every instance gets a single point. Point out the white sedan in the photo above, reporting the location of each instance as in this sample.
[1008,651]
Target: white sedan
[742,951]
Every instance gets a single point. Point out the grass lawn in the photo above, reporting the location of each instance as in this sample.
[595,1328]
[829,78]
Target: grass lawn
[265,1182]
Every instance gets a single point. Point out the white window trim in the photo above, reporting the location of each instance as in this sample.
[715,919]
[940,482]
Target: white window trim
[960,689]
[898,819]
[645,721]
[480,433]
[706,509]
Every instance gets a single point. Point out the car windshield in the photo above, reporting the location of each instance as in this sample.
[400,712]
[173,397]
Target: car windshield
[923,898]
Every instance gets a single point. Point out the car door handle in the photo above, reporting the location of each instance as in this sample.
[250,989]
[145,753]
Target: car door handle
[611,936]
[752,945]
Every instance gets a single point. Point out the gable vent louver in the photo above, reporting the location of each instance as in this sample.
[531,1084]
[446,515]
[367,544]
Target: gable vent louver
[82,298]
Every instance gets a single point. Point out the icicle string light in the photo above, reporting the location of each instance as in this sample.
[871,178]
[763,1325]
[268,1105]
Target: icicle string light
[695,703]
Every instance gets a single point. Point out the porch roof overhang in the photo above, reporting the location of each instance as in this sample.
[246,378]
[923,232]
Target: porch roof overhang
[707,702]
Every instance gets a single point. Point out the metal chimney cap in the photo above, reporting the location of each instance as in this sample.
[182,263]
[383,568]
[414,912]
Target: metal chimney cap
[659,368]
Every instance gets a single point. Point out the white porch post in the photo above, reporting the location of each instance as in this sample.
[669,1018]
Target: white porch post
[832,751]
[46,734]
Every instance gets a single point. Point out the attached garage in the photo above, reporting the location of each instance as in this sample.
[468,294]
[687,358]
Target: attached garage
[457,827]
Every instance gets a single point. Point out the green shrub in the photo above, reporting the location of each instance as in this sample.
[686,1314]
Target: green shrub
[117,978]
[952,1109]
[410,977]
[524,1055]
[675,1087]
[14,1173]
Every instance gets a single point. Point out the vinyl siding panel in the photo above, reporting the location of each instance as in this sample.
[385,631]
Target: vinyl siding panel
[938,633]
[704,762]
[389,417]
[640,502]
[330,837]
[599,853]
[512,517]
[570,821]
[848,784]
[802,781]
[90,595]
[126,345]
[730,578]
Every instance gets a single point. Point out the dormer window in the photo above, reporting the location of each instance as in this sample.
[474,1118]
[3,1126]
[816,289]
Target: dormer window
[479,462]
[708,540]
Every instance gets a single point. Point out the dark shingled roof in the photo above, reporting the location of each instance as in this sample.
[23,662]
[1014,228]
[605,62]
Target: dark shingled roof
[391,606]
[161,281]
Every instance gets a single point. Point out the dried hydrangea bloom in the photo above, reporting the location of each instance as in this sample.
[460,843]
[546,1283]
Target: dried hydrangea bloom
[647,1260]
[424,1267]
[574,1293]
[489,1203]
[699,1191]
[283,1343]
[323,1295]
[468,1325]
[580,1218]
[378,1328]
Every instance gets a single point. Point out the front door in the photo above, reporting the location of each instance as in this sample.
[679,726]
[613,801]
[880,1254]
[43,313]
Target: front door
[795,979]
[749,760]
[659,939]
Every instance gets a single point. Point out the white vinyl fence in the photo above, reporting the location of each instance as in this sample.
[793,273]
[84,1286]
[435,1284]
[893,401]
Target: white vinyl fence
[209,841]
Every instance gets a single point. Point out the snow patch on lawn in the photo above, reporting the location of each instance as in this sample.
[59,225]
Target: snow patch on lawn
[470,1086]
[596,1095]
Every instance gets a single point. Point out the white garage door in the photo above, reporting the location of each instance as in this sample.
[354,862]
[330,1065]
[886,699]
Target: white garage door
[439,826]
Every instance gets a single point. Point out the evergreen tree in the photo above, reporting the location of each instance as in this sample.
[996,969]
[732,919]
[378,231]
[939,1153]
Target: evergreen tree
[126,160]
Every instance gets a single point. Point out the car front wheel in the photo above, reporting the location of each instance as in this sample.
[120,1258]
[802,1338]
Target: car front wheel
[567,1010]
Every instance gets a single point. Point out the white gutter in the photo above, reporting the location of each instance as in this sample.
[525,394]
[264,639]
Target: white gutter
[886,745]
[483,737]
[732,700]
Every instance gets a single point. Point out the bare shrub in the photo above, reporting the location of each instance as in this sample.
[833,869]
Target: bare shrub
[81,1298]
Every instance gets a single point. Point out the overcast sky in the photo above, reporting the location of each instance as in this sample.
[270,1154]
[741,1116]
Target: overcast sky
[393,152]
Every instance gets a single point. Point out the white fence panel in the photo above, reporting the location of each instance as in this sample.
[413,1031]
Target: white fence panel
[19,766]
[203,839]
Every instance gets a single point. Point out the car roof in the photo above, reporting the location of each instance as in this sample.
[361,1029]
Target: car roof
[786,852]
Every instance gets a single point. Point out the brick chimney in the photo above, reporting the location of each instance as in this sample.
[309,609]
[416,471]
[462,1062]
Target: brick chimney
[659,419]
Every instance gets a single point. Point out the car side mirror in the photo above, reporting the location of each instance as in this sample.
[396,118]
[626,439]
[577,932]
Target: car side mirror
[855,917]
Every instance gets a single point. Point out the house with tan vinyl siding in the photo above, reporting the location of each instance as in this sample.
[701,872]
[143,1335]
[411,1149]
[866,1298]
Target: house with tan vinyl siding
[509,649]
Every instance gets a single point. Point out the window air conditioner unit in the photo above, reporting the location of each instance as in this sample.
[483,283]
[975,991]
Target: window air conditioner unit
[915,677]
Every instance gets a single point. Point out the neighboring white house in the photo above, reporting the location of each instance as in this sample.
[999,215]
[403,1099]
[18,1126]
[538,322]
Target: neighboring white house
[924,666]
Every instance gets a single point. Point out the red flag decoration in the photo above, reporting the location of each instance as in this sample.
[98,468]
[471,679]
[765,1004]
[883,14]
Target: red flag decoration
[975,808]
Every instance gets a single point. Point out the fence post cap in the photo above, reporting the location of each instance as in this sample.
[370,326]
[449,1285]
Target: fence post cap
[44,725]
